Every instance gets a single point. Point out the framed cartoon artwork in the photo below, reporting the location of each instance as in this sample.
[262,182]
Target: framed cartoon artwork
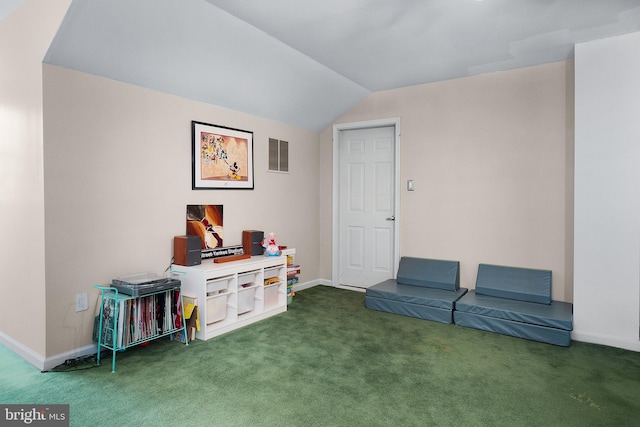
[221,158]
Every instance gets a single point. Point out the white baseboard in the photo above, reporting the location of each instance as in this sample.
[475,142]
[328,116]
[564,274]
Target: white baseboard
[633,345]
[306,285]
[325,282]
[59,359]
[350,288]
[38,361]
[23,351]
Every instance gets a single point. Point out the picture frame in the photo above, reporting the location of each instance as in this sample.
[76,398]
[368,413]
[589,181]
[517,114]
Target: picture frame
[206,222]
[221,157]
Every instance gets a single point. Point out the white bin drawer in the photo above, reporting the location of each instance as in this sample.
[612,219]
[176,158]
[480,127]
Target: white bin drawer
[214,286]
[246,299]
[271,294]
[246,278]
[217,307]
[271,272]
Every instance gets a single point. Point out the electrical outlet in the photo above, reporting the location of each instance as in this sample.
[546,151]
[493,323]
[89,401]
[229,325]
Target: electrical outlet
[82,302]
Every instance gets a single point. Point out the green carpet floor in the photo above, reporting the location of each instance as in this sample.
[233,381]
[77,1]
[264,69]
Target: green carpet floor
[328,361]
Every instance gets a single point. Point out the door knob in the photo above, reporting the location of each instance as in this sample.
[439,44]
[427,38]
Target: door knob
[391,218]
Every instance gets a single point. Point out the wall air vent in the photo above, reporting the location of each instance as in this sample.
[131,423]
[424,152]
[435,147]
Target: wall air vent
[278,155]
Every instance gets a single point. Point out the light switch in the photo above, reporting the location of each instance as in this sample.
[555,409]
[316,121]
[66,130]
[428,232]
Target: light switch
[410,185]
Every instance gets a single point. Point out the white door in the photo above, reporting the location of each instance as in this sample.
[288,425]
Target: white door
[367,203]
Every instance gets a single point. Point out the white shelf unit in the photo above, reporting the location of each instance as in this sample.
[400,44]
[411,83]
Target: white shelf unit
[232,294]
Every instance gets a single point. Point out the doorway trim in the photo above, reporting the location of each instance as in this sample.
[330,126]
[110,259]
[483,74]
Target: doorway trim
[335,258]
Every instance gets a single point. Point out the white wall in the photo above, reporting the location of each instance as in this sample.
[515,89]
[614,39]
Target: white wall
[491,159]
[607,199]
[25,35]
[118,179]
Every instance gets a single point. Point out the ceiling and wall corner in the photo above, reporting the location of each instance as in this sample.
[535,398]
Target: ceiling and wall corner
[307,63]
[8,6]
[198,51]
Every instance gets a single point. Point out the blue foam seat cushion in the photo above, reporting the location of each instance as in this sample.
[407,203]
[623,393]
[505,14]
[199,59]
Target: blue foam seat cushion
[557,314]
[522,284]
[527,331]
[433,297]
[429,273]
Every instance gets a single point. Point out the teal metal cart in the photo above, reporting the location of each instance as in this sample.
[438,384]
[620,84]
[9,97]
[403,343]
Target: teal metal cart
[126,321]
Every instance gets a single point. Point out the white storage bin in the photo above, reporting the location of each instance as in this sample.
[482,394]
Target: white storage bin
[246,299]
[246,278]
[215,286]
[271,272]
[271,295]
[217,307]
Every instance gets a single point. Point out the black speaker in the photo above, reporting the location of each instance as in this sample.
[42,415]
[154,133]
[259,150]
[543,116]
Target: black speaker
[187,250]
[252,242]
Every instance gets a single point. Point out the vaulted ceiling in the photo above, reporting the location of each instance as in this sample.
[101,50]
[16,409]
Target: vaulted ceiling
[306,62]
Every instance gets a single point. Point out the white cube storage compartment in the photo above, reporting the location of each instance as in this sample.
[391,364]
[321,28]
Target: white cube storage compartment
[234,292]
